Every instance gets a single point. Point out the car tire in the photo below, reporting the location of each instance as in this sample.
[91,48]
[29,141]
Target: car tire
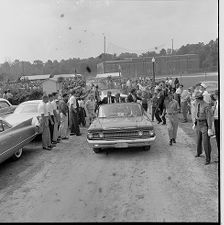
[97,150]
[147,148]
[17,154]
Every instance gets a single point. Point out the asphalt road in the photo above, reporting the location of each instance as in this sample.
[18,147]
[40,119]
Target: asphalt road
[73,184]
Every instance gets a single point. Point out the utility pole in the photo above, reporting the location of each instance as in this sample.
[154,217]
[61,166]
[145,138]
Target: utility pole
[104,38]
[172,46]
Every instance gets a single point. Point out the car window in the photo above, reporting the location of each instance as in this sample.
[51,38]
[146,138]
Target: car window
[120,110]
[1,126]
[3,104]
[27,108]
[5,126]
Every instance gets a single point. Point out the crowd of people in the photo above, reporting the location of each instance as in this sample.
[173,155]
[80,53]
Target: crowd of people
[63,115]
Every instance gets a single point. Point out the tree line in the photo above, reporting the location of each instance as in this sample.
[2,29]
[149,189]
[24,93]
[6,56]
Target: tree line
[208,56]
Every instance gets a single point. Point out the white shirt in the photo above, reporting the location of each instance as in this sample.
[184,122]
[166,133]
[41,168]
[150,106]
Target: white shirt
[43,109]
[54,105]
[216,109]
[72,102]
[206,97]
[81,103]
[50,108]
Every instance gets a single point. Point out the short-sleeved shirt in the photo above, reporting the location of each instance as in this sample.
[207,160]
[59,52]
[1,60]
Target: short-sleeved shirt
[172,107]
[43,109]
[72,102]
[50,108]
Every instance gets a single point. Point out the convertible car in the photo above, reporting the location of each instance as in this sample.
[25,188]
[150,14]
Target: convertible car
[121,125]
[18,129]
[103,93]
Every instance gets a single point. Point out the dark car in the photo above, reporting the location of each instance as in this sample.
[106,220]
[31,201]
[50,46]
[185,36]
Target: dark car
[121,125]
[6,107]
[13,137]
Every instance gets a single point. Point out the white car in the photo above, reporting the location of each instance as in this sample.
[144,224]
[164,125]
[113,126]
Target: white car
[6,107]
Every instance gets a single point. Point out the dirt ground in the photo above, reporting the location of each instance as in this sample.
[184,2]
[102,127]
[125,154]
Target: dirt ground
[73,184]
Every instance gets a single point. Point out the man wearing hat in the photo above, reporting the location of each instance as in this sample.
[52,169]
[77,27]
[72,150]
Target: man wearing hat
[206,95]
[172,109]
[216,118]
[203,125]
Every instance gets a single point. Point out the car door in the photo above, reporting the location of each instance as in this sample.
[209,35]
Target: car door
[7,141]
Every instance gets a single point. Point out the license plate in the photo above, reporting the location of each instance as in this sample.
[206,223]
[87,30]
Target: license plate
[121,145]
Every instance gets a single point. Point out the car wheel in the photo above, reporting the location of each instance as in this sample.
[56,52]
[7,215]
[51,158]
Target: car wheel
[147,148]
[97,150]
[17,154]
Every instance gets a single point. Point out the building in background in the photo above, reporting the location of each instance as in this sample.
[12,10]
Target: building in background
[142,67]
[51,85]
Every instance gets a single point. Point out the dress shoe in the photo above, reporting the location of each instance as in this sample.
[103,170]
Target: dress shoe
[207,162]
[171,142]
[163,123]
[78,134]
[72,133]
[47,148]
[197,155]
[51,146]
[159,122]
[174,141]
[54,142]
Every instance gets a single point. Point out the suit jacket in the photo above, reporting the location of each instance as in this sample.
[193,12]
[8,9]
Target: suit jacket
[120,100]
[130,98]
[105,100]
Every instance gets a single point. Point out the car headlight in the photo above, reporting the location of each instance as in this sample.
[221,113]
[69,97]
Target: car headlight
[151,133]
[140,133]
[101,135]
[90,135]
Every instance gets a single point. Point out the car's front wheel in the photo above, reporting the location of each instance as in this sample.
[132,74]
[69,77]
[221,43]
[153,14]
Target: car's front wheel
[147,148]
[17,154]
[97,150]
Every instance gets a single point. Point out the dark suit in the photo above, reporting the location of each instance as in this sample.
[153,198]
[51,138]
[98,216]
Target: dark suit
[106,100]
[131,99]
[120,100]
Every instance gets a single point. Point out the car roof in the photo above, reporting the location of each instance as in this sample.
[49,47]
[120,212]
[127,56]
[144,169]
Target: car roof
[31,101]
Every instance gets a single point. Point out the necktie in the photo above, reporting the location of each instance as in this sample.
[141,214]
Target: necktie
[198,110]
[109,100]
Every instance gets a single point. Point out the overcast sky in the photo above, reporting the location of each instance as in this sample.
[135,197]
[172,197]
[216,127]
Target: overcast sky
[62,29]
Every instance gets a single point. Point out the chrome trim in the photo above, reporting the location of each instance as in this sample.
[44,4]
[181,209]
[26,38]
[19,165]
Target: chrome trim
[17,144]
[103,142]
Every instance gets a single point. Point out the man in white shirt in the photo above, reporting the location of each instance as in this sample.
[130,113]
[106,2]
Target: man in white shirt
[43,113]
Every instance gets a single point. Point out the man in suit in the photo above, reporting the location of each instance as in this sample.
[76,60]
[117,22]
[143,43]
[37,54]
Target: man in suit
[118,98]
[109,99]
[132,97]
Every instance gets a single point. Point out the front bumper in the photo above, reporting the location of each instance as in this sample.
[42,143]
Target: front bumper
[121,143]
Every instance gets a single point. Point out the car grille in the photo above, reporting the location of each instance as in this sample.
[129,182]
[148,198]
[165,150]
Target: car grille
[132,134]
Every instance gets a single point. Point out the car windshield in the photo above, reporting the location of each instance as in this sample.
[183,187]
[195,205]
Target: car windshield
[113,92]
[27,108]
[120,110]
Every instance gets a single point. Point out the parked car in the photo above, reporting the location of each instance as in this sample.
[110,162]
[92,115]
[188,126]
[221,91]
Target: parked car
[14,137]
[103,93]
[6,107]
[121,125]
[24,111]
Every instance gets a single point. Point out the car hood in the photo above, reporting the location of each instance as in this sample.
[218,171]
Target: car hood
[14,118]
[119,123]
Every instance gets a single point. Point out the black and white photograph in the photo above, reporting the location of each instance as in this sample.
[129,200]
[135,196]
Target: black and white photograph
[110,111]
